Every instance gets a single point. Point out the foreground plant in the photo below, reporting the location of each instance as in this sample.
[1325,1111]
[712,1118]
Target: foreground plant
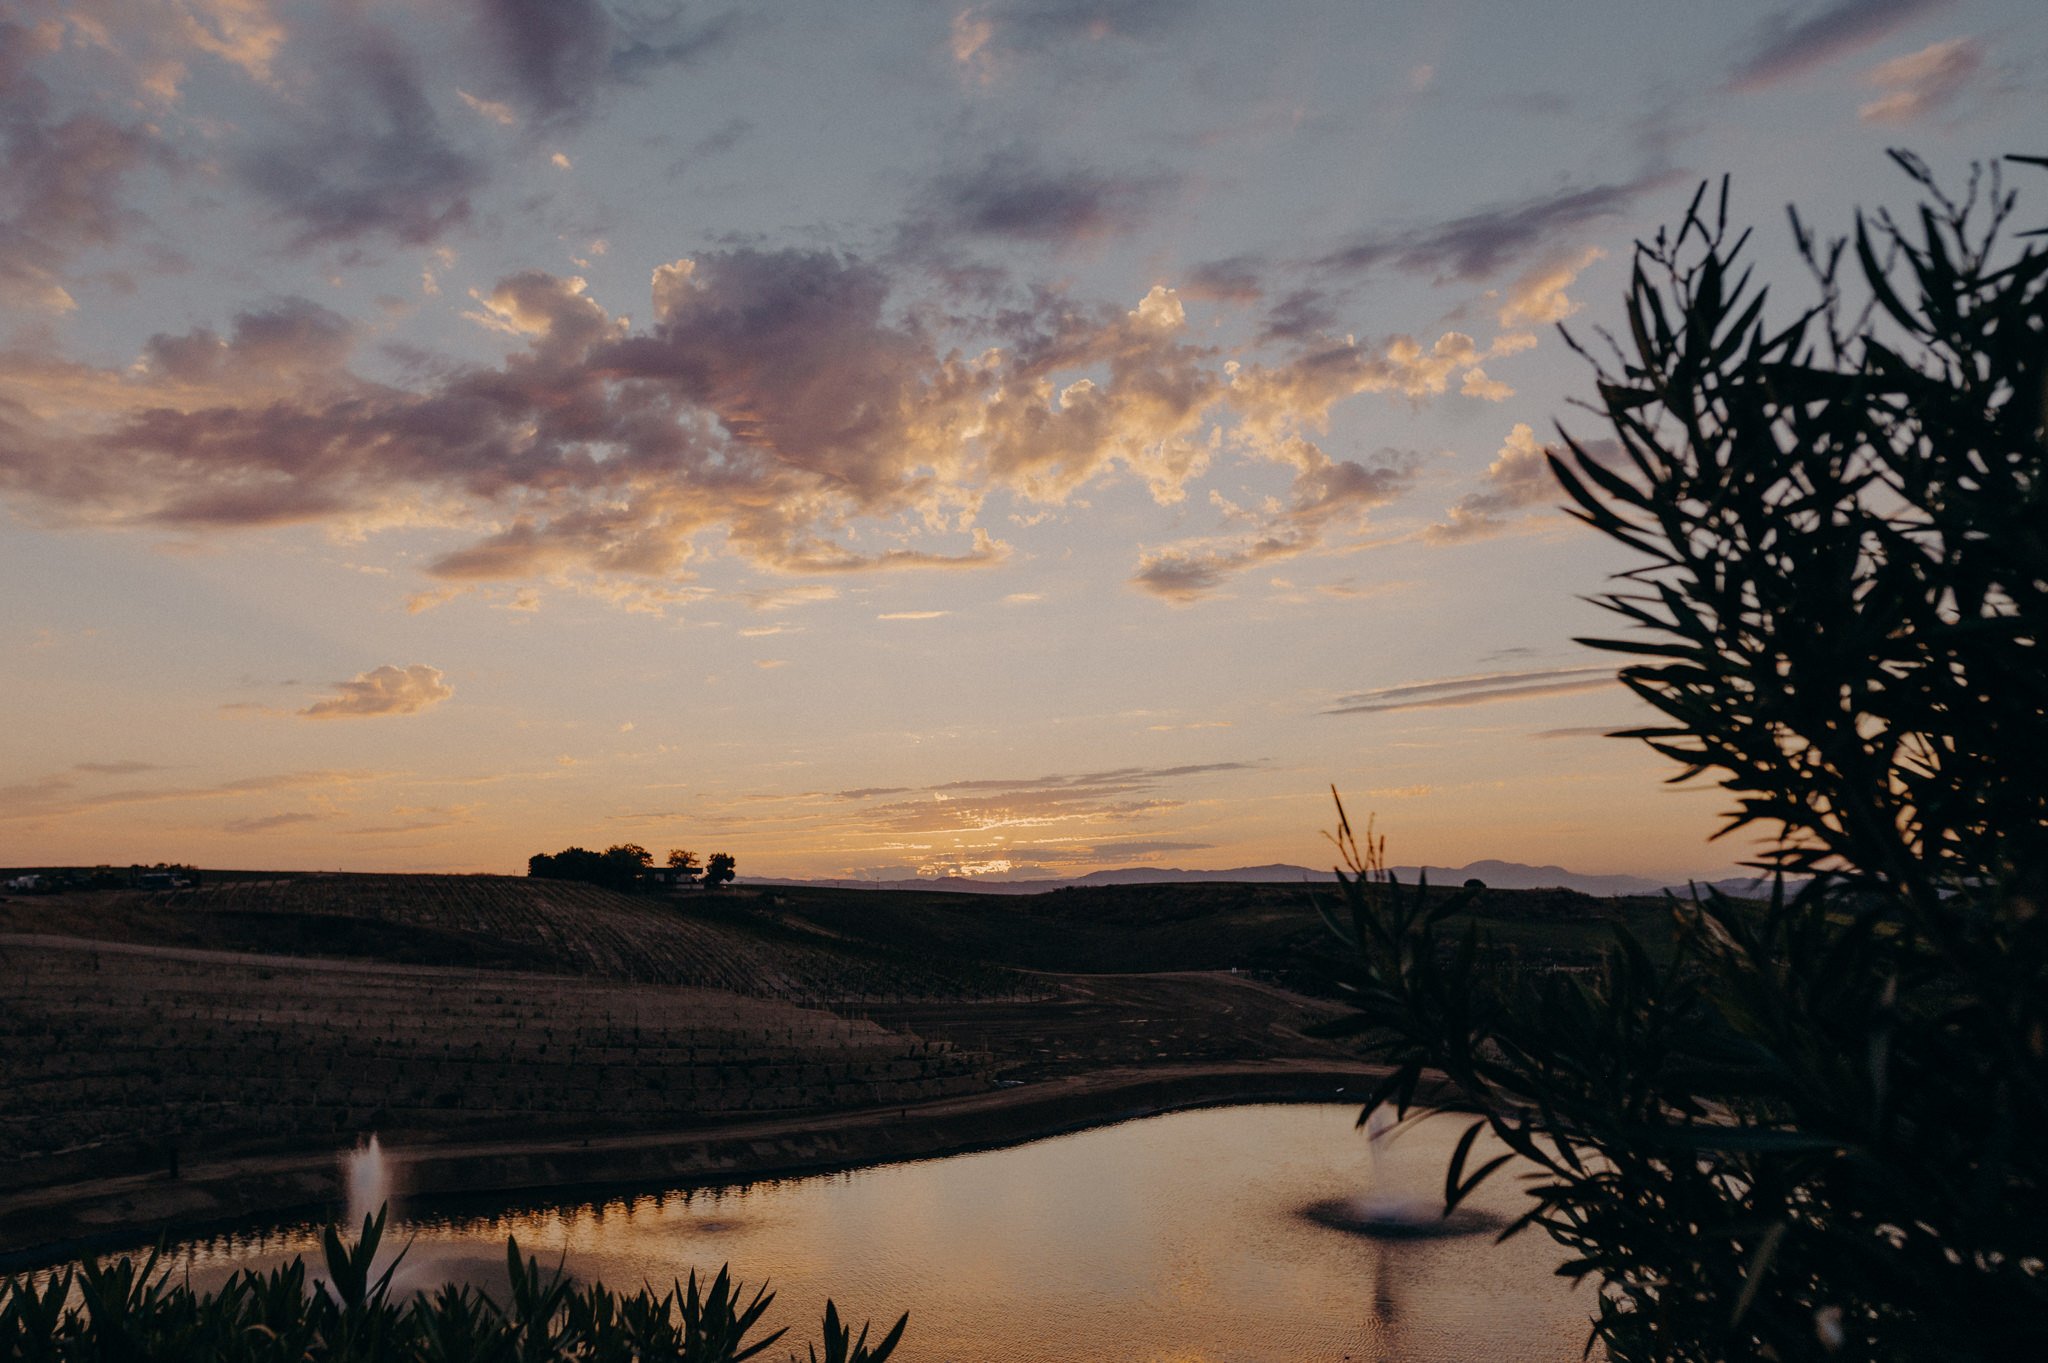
[124,1311]
[1816,1127]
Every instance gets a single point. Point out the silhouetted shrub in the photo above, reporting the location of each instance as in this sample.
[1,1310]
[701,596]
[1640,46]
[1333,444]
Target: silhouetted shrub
[1817,1127]
[126,1310]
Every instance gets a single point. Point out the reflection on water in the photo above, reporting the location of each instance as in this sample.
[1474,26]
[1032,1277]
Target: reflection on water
[1174,1238]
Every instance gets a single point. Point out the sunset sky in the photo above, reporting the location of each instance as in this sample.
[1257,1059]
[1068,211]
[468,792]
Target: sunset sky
[868,439]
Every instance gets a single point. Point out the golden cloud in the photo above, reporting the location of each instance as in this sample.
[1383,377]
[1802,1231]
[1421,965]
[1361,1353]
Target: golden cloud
[774,410]
[386,690]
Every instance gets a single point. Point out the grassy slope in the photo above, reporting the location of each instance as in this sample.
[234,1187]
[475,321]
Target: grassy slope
[1271,930]
[503,922]
[120,1052]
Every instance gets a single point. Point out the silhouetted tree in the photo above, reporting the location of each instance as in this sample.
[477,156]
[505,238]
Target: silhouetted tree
[629,860]
[684,864]
[619,867]
[1819,1128]
[717,871]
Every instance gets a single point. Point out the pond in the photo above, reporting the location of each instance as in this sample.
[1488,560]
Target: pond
[1182,1237]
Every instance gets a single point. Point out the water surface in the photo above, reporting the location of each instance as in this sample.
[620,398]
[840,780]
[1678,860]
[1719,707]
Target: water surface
[1172,1238]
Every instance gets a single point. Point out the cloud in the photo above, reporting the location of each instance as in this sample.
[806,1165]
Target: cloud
[1114,779]
[1303,315]
[1922,82]
[1482,689]
[555,57]
[54,797]
[154,46]
[1012,195]
[1476,384]
[1046,436]
[553,53]
[912,615]
[1327,494]
[494,110]
[1082,853]
[1299,392]
[333,127]
[267,822]
[1001,806]
[1274,405]
[383,690]
[129,768]
[1518,480]
[27,798]
[1233,279]
[556,314]
[984,38]
[1519,477]
[786,598]
[413,826]
[778,407]
[1784,47]
[273,350]
[1350,590]
[420,602]
[1044,22]
[1479,245]
[60,175]
[1583,731]
[374,161]
[1537,297]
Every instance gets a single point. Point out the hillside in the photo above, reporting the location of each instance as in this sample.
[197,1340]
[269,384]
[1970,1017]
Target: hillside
[505,922]
[1273,931]
[800,943]
[281,1014]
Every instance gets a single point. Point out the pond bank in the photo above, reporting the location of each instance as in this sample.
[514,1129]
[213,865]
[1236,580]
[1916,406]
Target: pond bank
[47,1225]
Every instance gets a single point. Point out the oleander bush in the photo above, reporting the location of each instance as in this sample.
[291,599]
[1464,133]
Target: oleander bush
[127,1312]
[1817,1127]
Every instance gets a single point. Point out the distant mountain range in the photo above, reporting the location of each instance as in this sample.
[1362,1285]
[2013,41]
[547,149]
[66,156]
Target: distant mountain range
[1500,875]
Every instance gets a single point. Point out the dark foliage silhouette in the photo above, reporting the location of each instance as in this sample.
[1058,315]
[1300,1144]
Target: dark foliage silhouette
[718,871]
[1818,1127]
[619,868]
[129,1311]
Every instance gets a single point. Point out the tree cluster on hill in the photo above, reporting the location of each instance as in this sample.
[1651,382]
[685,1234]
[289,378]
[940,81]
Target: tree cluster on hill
[684,869]
[624,866]
[1812,1129]
[616,868]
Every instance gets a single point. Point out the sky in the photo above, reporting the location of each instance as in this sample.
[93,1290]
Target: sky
[1017,438]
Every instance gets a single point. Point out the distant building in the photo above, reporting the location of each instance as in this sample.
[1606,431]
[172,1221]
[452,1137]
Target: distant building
[670,877]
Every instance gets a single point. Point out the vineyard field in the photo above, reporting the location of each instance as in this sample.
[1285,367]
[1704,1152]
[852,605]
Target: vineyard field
[705,941]
[146,1048]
